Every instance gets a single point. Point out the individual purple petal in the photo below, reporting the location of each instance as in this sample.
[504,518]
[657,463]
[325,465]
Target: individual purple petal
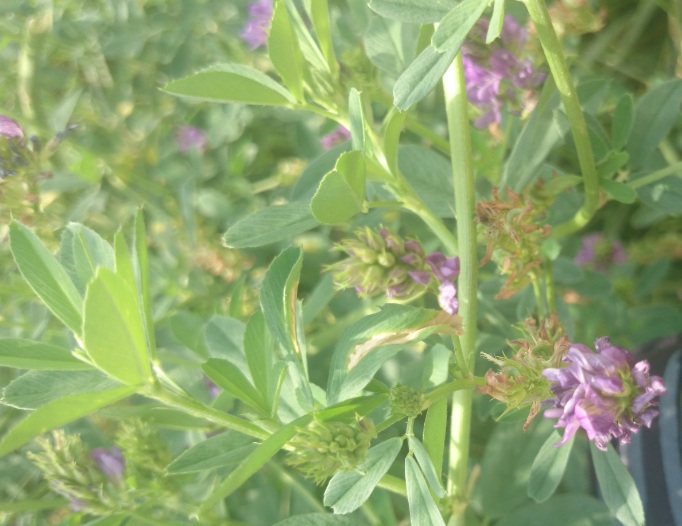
[513,34]
[444,268]
[9,127]
[339,135]
[109,460]
[447,298]
[422,277]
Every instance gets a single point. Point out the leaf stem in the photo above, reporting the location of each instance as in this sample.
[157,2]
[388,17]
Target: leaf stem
[562,77]
[656,176]
[456,107]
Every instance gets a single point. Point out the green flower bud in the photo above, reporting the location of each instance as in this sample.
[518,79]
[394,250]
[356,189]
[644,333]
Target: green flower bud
[406,401]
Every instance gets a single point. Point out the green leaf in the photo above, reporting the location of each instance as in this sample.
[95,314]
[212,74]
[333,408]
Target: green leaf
[506,466]
[455,26]
[259,349]
[124,264]
[348,490]
[341,194]
[48,279]
[544,129]
[309,47]
[227,376]
[278,298]
[231,83]
[561,510]
[429,173]
[655,114]
[319,14]
[435,429]
[223,450]
[27,354]
[427,468]
[621,125]
[617,487]
[142,266]
[37,388]
[357,356]
[113,330]
[548,467]
[357,120]
[558,184]
[496,22]
[421,76]
[306,185]
[253,462]
[284,50]
[390,45]
[412,11]
[271,224]
[664,195]
[619,191]
[321,519]
[423,510]
[81,252]
[60,412]
[393,128]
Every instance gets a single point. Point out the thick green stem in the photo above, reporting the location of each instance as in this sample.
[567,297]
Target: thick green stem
[456,107]
[562,77]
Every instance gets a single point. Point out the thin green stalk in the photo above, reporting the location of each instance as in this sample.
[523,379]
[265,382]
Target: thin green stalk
[562,77]
[456,107]
[656,176]
[549,287]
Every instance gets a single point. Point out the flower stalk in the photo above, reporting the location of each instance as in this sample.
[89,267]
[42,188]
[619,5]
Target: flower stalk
[562,77]
[456,107]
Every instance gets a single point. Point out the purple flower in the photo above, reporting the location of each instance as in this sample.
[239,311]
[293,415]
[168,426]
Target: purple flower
[213,389]
[255,32]
[339,135]
[10,128]
[488,68]
[599,252]
[188,137]
[445,269]
[447,298]
[109,460]
[608,393]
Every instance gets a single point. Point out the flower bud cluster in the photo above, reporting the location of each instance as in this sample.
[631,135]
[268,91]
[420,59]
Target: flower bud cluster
[381,262]
[324,448]
[405,401]
[514,237]
[520,381]
[608,393]
[91,480]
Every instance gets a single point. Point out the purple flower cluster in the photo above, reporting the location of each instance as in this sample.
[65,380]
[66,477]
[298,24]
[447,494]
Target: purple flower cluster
[188,137]
[339,135]
[255,32]
[10,128]
[599,252]
[496,76]
[445,270]
[608,393]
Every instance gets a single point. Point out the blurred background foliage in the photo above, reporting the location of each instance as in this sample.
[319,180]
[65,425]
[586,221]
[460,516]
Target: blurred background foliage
[99,65]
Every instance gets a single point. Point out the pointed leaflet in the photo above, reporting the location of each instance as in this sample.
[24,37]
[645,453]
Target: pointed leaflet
[224,450]
[453,29]
[27,354]
[423,510]
[227,376]
[621,125]
[278,298]
[46,276]
[60,412]
[357,120]
[341,194]
[617,487]
[141,264]
[548,467]
[113,330]
[355,358]
[319,14]
[270,225]
[284,50]
[259,349]
[412,11]
[427,467]
[231,83]
[421,76]
[81,252]
[496,21]
[348,490]
[393,128]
